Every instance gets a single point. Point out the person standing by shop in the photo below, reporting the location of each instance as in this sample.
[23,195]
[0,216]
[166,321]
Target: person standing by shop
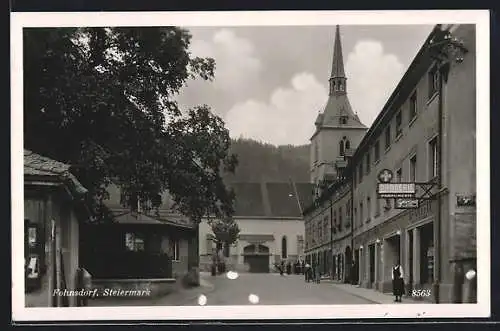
[397,281]
[307,272]
[317,274]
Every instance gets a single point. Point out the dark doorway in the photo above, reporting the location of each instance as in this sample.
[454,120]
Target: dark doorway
[410,258]
[371,252]
[348,264]
[427,253]
[257,258]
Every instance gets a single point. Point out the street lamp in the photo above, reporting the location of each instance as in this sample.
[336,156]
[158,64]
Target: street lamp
[444,48]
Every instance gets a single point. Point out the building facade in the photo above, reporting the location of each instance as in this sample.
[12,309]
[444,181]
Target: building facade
[420,136]
[269,216]
[425,134]
[162,233]
[53,211]
[338,131]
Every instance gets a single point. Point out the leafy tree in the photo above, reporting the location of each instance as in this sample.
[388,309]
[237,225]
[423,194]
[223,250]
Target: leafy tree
[226,232]
[102,99]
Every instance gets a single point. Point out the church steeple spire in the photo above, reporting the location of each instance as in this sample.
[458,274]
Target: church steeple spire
[337,77]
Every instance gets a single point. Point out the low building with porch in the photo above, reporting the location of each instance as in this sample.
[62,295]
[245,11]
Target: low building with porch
[53,212]
[154,250]
[269,216]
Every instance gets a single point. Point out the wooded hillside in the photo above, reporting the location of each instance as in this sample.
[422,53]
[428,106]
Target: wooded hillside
[265,162]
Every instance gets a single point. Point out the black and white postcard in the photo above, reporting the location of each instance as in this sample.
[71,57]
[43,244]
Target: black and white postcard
[250,165]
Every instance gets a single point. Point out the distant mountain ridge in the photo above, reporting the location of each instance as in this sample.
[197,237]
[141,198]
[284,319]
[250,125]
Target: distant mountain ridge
[261,162]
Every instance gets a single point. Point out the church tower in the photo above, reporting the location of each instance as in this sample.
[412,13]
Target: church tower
[338,128]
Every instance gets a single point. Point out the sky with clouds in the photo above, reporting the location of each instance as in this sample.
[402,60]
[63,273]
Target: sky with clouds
[271,82]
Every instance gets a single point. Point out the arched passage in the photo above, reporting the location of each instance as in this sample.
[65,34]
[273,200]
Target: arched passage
[257,258]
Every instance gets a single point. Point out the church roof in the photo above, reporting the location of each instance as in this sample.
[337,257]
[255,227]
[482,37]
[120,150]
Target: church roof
[338,59]
[257,199]
[336,107]
[271,199]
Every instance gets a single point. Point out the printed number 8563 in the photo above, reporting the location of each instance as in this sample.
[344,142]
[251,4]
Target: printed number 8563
[420,293]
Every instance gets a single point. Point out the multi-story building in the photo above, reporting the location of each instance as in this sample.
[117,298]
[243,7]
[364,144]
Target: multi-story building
[425,134]
[338,132]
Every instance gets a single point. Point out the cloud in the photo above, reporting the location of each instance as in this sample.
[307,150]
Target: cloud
[286,118]
[372,76]
[237,65]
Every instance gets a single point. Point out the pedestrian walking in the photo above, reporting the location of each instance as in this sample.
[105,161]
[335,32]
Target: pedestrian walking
[317,273]
[397,282]
[282,267]
[307,272]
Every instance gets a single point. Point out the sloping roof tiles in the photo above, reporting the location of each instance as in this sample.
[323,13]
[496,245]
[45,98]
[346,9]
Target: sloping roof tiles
[38,165]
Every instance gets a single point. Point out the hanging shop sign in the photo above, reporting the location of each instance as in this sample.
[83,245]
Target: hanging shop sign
[406,203]
[396,190]
[466,200]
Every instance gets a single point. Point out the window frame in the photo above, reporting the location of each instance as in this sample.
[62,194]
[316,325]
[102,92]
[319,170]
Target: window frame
[433,81]
[376,148]
[413,110]
[413,168]
[399,123]
[367,166]
[135,237]
[399,174]
[175,248]
[433,158]
[388,137]
[368,208]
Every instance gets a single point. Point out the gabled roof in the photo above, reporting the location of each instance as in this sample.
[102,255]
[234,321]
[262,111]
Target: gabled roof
[271,199]
[44,168]
[259,200]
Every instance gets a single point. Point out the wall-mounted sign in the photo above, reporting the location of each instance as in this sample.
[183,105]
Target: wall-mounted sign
[466,200]
[385,176]
[406,203]
[396,190]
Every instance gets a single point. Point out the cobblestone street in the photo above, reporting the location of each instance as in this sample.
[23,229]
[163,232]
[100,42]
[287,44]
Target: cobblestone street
[270,289]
